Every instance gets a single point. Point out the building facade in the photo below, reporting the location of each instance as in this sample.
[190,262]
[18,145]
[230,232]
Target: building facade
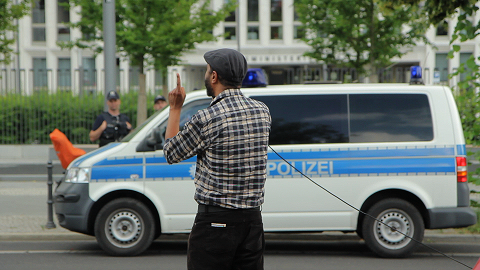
[266,31]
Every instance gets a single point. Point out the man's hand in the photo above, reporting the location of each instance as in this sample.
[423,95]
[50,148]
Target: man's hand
[177,96]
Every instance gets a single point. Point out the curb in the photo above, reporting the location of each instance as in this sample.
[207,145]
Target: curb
[327,236]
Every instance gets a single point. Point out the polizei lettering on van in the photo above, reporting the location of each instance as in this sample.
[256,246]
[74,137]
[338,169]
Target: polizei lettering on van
[305,167]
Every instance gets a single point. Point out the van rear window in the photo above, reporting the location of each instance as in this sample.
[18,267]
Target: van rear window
[306,119]
[390,118]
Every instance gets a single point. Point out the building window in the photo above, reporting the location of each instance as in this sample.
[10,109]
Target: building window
[442,28]
[63,34]
[252,6]
[39,34]
[89,76]
[298,32]
[230,33]
[134,72]
[63,18]
[463,59]
[64,74]
[252,33]
[276,32]
[38,21]
[38,11]
[230,26]
[40,73]
[276,10]
[441,66]
[63,12]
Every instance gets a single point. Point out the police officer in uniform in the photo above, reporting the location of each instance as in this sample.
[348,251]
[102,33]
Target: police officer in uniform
[159,103]
[110,126]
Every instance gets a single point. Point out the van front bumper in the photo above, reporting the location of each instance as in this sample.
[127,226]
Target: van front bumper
[455,217]
[72,205]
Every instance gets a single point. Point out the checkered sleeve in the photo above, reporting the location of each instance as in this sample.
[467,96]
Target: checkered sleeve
[187,143]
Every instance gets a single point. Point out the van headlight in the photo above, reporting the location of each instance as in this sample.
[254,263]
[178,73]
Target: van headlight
[78,175]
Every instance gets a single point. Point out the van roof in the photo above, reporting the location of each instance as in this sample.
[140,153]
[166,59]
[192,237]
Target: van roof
[332,89]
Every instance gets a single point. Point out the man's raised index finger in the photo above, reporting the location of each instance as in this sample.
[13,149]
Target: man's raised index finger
[178,81]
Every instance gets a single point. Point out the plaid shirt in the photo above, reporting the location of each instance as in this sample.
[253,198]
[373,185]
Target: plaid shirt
[230,139]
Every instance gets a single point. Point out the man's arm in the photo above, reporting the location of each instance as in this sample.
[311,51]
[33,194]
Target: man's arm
[95,134]
[176,98]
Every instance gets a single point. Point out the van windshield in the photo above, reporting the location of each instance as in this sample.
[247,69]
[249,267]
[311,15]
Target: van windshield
[138,128]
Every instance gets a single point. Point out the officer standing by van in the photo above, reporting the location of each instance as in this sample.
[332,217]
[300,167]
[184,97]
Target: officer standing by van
[159,103]
[110,126]
[230,139]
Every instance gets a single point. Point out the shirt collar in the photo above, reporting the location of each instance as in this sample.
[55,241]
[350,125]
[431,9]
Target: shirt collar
[226,93]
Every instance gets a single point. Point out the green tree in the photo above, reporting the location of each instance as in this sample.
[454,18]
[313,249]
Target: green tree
[9,13]
[359,34]
[150,33]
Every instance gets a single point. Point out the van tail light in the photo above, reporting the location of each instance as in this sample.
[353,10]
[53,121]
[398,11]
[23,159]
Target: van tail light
[461,169]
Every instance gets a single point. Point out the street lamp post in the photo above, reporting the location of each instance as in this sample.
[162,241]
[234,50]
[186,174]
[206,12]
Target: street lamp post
[109,36]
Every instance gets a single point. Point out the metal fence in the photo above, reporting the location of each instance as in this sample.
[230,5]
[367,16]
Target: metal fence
[29,118]
[78,81]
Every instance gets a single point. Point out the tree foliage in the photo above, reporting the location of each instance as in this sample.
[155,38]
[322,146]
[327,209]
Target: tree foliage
[9,13]
[356,33]
[149,32]
[437,10]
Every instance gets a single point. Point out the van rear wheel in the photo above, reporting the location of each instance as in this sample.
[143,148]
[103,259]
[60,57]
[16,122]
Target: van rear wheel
[124,227]
[404,222]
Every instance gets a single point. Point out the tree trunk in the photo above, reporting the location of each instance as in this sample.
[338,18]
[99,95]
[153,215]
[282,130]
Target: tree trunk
[373,76]
[165,84]
[142,99]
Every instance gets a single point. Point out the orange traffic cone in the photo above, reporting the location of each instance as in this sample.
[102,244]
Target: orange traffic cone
[477,266]
[66,152]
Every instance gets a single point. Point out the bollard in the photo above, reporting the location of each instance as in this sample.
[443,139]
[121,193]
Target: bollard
[50,223]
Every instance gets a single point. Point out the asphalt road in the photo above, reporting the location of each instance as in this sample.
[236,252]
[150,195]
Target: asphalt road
[280,255]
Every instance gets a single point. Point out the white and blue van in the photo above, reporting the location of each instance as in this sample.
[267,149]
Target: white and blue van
[396,152]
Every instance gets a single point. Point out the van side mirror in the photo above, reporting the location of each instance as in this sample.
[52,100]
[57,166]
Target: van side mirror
[153,142]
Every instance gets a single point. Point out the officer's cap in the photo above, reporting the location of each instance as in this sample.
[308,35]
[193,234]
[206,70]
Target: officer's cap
[112,95]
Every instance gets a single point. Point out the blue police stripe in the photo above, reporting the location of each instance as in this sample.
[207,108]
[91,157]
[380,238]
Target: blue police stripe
[322,162]
[374,152]
[400,165]
[125,173]
[183,170]
[461,150]
[77,162]
[119,161]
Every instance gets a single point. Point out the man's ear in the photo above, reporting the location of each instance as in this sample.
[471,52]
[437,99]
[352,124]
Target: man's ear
[214,77]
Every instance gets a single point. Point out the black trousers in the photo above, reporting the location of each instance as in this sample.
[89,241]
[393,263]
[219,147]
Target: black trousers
[227,240]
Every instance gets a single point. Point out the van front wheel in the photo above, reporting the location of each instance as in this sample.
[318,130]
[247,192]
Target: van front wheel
[404,222]
[124,227]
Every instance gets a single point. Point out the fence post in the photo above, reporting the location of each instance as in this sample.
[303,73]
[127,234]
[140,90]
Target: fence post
[50,223]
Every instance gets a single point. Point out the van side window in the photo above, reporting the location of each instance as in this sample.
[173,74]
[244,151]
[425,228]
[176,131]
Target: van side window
[390,118]
[305,119]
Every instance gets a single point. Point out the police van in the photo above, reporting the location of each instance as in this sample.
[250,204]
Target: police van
[385,161]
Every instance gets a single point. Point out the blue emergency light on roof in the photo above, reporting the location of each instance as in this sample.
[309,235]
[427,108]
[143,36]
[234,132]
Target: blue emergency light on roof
[255,78]
[416,75]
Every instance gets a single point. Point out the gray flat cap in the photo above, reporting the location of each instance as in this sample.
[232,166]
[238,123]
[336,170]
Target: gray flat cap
[229,64]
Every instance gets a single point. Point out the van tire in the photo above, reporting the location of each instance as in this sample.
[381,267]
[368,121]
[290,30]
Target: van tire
[124,227]
[386,242]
